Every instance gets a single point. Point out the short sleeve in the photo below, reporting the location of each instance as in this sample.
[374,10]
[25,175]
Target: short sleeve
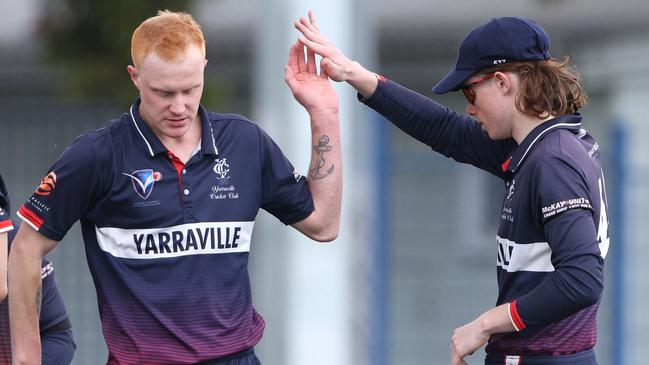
[285,193]
[68,190]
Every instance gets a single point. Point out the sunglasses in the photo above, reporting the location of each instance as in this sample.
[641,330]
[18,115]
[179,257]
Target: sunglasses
[467,89]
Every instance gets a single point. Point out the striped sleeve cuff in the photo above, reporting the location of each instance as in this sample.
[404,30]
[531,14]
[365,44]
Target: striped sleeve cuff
[30,218]
[6,226]
[514,317]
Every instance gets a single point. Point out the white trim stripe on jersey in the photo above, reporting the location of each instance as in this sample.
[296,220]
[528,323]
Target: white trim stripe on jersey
[182,240]
[533,257]
[26,220]
[139,131]
[511,320]
[216,150]
[558,125]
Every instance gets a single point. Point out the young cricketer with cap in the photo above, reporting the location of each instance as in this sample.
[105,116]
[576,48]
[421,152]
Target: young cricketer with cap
[523,126]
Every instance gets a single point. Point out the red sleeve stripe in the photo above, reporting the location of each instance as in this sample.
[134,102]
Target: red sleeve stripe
[515,317]
[6,226]
[30,217]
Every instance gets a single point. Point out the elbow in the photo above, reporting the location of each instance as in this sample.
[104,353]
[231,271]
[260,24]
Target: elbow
[592,295]
[327,233]
[589,294]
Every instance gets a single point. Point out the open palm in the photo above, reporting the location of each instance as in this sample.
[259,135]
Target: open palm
[314,91]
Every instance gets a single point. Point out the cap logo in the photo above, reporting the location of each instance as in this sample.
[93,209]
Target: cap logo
[499,62]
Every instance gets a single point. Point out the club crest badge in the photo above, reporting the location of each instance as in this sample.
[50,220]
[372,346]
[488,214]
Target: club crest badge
[221,168]
[143,181]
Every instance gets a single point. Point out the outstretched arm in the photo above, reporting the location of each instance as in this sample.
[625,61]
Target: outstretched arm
[316,94]
[27,251]
[334,62]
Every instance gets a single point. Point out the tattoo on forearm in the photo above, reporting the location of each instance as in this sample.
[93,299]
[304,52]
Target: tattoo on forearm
[39,298]
[320,149]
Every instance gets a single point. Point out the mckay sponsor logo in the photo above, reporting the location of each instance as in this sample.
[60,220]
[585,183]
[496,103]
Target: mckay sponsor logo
[182,240]
[561,206]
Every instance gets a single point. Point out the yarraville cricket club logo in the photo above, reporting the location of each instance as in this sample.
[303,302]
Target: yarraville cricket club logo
[221,168]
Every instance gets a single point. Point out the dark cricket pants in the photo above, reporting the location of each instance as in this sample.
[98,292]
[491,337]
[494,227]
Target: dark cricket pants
[245,357]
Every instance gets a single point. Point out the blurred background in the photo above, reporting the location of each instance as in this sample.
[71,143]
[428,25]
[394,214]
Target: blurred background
[416,255]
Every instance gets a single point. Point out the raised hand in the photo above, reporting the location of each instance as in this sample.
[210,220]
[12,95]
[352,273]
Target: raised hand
[334,62]
[314,91]
[337,65]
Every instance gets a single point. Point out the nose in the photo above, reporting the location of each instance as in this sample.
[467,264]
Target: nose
[177,104]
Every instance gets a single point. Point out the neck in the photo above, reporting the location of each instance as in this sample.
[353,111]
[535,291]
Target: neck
[183,146]
[525,124]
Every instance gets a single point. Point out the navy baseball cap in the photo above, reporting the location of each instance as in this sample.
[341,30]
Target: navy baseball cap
[498,41]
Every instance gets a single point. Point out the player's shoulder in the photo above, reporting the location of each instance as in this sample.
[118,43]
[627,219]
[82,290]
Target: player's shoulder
[108,131]
[233,124]
[238,120]
[98,144]
[565,150]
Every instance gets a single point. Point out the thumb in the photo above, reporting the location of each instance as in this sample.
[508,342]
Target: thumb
[332,69]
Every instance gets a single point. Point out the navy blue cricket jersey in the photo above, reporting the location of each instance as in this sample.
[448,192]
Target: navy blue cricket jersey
[553,232]
[167,243]
[53,315]
[5,216]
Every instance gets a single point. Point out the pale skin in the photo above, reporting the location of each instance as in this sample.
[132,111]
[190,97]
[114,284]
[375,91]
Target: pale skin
[495,110]
[170,92]
[27,250]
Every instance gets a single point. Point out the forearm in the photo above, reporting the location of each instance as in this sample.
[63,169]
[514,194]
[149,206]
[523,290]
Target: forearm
[24,306]
[361,79]
[472,336]
[325,175]
[496,320]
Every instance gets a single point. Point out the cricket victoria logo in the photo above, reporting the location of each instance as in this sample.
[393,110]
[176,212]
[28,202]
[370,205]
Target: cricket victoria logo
[143,181]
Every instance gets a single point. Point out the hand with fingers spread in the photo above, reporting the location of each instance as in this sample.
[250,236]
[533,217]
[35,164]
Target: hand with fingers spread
[334,62]
[314,91]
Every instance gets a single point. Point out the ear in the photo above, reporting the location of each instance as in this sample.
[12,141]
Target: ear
[505,81]
[132,71]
